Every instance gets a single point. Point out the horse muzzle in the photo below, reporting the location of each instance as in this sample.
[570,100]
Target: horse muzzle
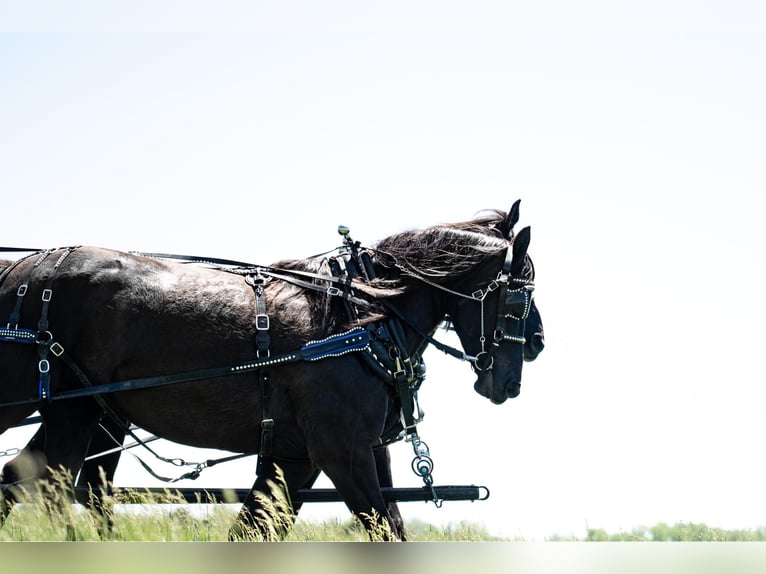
[495,391]
[534,346]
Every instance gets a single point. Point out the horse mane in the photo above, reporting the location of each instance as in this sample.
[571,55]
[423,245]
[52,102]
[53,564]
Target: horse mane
[322,314]
[4,265]
[442,252]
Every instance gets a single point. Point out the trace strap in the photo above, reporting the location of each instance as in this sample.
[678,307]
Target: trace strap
[334,346]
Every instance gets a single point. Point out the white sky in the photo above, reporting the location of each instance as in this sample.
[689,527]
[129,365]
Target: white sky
[633,133]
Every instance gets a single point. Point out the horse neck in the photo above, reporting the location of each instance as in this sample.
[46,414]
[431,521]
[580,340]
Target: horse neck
[423,309]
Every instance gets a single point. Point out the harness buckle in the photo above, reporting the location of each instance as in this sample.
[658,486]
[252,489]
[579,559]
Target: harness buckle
[56,349]
[334,291]
[262,353]
[47,295]
[44,366]
[267,439]
[255,279]
[262,322]
[400,371]
[22,290]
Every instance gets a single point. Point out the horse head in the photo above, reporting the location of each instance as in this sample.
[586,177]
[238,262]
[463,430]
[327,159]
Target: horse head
[499,324]
[533,326]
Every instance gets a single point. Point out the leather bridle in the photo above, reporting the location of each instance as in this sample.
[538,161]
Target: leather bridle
[513,293]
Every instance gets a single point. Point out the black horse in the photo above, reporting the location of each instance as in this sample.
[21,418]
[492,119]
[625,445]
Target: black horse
[105,448]
[104,316]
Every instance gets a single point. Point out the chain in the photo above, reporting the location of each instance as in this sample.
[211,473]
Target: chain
[423,465]
[9,452]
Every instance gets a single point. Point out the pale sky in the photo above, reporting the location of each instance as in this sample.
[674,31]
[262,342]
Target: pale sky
[632,132]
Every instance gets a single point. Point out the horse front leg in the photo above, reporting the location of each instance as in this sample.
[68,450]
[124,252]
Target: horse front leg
[18,466]
[385,478]
[20,473]
[268,512]
[97,474]
[355,476]
[56,451]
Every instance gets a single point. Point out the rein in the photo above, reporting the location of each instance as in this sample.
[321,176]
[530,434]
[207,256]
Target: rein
[333,346]
[340,287]
[502,282]
[351,341]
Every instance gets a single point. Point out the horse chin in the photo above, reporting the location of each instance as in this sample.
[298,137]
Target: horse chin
[485,386]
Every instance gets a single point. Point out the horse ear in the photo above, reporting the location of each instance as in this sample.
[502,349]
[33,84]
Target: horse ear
[511,220]
[520,246]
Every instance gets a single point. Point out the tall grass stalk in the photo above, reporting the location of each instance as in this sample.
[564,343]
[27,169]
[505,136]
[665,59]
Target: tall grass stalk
[46,513]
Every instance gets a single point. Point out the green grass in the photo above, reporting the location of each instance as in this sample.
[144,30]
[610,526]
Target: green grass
[46,515]
[38,522]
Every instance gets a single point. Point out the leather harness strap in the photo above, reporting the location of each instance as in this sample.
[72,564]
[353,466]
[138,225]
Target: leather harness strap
[262,343]
[384,345]
[389,355]
[13,320]
[43,337]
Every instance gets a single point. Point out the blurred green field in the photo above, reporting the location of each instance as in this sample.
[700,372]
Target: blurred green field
[46,516]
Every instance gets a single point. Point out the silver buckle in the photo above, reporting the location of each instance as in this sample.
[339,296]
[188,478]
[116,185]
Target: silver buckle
[262,322]
[47,295]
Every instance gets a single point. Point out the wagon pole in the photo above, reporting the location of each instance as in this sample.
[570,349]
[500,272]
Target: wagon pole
[231,495]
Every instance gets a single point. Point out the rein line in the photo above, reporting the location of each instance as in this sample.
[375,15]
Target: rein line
[334,291]
[354,340]
[338,288]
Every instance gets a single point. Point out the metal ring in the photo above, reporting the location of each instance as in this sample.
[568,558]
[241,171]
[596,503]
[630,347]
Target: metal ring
[480,357]
[422,465]
[44,336]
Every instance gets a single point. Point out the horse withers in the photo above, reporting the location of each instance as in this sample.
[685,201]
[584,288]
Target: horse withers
[121,317]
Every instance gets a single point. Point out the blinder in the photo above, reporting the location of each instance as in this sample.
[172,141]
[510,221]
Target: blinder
[513,306]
